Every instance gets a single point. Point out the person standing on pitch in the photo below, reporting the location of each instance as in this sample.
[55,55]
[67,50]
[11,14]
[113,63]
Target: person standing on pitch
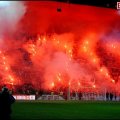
[6,100]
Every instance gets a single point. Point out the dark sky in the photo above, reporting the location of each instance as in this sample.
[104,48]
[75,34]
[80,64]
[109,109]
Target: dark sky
[101,3]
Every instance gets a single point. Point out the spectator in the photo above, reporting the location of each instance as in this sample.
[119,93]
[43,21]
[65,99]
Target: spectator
[111,96]
[80,95]
[6,99]
[107,96]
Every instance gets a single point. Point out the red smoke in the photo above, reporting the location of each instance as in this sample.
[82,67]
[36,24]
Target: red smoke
[77,47]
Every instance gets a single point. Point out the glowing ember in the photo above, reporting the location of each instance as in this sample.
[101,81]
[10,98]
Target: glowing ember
[113,81]
[53,84]
[79,83]
[94,86]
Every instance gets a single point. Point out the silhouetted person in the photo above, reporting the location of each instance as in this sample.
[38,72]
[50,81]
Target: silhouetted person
[111,96]
[6,100]
[80,95]
[107,96]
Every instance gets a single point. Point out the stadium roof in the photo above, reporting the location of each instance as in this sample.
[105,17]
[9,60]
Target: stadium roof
[99,3]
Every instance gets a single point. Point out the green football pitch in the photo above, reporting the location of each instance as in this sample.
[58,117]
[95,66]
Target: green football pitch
[38,110]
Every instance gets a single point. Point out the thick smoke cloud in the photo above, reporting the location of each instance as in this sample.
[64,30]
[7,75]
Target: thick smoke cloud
[51,48]
[11,13]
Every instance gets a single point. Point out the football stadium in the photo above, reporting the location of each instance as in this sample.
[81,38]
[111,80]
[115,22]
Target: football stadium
[60,59]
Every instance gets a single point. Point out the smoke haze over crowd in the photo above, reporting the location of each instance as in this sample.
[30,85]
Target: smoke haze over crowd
[78,46]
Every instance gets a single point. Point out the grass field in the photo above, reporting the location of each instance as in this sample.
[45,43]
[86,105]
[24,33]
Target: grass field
[38,110]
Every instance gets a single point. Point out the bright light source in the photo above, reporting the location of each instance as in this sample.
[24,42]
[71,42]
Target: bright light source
[53,84]
[107,74]
[65,46]
[113,81]
[79,83]
[86,42]
[6,68]
[69,83]
[101,70]
[94,86]
[94,60]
